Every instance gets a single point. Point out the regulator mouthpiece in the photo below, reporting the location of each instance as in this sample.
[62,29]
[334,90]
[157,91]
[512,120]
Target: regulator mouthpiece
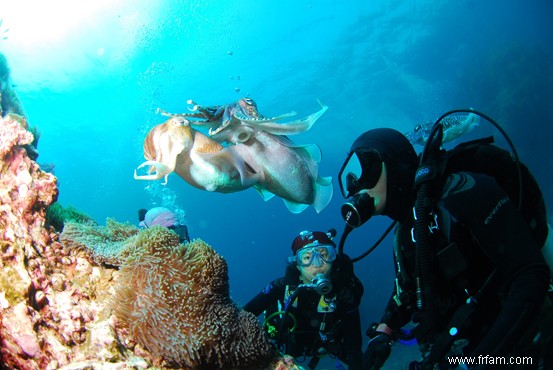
[322,284]
[358,210]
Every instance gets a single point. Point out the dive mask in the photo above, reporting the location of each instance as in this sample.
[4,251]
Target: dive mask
[361,170]
[314,255]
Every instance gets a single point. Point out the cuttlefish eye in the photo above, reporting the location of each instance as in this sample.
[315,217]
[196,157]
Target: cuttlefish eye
[249,101]
[179,121]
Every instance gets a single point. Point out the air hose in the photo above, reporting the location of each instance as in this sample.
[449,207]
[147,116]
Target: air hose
[271,329]
[287,306]
[427,171]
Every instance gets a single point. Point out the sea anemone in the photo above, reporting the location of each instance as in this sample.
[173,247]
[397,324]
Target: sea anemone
[174,300]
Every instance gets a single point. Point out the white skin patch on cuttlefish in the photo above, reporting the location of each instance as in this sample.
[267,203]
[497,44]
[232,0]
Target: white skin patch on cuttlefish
[453,127]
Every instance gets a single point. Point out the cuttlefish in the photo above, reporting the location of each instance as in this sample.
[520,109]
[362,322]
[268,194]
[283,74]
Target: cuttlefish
[287,170]
[174,146]
[272,164]
[453,127]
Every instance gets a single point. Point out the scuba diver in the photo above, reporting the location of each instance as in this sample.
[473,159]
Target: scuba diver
[163,217]
[313,310]
[469,271]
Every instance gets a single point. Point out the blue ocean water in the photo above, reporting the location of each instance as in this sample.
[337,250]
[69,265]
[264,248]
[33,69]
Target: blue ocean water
[91,75]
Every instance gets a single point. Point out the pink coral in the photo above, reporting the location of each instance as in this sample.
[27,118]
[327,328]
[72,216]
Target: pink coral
[13,132]
[174,300]
[25,190]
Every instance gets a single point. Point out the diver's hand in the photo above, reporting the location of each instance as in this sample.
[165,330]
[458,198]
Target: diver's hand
[378,351]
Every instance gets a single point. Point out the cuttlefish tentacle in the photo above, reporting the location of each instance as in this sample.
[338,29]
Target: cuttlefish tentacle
[247,119]
[187,115]
[244,113]
[287,128]
[160,171]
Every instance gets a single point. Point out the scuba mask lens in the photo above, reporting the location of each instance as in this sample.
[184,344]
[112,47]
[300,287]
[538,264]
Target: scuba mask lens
[315,255]
[352,183]
[372,169]
[348,177]
[361,170]
[366,170]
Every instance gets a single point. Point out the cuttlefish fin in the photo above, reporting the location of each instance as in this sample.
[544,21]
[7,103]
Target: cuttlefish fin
[323,193]
[157,171]
[295,207]
[265,194]
[293,127]
[292,206]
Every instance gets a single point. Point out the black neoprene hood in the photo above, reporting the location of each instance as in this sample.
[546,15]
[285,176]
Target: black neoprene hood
[400,158]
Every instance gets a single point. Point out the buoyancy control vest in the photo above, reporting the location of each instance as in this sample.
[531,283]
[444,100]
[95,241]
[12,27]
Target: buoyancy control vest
[481,156]
[478,156]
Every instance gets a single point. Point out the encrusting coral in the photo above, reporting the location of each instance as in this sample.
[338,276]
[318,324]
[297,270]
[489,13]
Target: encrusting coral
[174,300]
[25,190]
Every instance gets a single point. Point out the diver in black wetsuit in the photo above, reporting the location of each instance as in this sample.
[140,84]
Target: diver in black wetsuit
[319,296]
[488,278]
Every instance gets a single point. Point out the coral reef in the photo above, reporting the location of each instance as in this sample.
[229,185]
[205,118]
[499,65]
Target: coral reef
[57,299]
[25,190]
[54,309]
[174,300]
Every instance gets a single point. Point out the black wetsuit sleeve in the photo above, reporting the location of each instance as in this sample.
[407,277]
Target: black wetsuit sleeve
[267,297]
[478,202]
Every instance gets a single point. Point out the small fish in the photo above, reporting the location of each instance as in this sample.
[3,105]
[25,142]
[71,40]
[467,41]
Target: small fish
[454,126]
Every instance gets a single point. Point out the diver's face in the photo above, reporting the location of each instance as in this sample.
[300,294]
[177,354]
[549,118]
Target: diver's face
[308,273]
